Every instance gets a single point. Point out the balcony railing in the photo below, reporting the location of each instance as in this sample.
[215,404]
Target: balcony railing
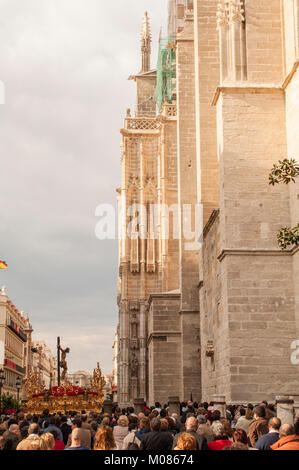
[143,124]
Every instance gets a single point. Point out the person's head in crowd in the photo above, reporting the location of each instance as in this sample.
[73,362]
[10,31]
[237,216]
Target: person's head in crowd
[133,426]
[155,424]
[24,432]
[20,416]
[164,424]
[94,426]
[228,431]
[123,421]
[191,424]
[24,424]
[106,421]
[201,419]
[204,430]
[144,423]
[286,430]
[189,415]
[104,439]
[76,437]
[47,441]
[249,415]
[186,442]
[33,429]
[14,429]
[163,413]
[274,424]
[218,430]
[240,436]
[54,433]
[171,423]
[236,446]
[215,416]
[77,423]
[132,419]
[259,412]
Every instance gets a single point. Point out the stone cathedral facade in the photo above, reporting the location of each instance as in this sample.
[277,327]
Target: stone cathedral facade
[217,315]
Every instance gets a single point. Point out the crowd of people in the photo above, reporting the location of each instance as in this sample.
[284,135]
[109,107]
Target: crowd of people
[196,427]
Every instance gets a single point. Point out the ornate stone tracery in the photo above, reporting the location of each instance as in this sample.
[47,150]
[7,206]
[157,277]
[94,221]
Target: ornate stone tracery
[230,11]
[231,26]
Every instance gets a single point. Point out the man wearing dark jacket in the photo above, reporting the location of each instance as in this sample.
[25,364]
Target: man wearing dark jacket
[156,440]
[65,429]
[265,441]
[191,428]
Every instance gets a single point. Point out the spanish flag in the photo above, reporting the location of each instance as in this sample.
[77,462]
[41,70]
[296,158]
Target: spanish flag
[3,265]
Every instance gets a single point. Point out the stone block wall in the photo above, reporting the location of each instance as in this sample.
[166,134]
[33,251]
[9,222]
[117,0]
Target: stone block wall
[164,348]
[146,85]
[215,369]
[259,292]
[263,41]
[207,78]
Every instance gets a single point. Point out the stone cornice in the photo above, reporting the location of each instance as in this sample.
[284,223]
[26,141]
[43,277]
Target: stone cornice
[244,87]
[256,88]
[137,132]
[157,334]
[257,252]
[165,295]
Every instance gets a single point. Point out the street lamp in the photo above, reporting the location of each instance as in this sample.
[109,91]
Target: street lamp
[2,380]
[18,385]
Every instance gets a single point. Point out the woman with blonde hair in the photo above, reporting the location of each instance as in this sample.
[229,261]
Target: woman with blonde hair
[47,441]
[186,442]
[104,439]
[121,431]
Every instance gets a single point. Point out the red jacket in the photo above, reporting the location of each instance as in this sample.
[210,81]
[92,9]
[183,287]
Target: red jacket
[59,445]
[219,445]
[287,443]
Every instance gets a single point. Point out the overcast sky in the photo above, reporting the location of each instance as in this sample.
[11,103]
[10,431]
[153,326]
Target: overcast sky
[65,64]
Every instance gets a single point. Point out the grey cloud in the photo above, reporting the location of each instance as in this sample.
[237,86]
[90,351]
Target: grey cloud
[65,65]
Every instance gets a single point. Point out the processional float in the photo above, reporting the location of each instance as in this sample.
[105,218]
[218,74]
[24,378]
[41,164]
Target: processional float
[64,397]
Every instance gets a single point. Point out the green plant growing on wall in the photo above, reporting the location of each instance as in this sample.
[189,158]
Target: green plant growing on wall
[286,171]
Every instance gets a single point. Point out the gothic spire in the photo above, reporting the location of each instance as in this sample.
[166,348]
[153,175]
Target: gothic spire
[146,39]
